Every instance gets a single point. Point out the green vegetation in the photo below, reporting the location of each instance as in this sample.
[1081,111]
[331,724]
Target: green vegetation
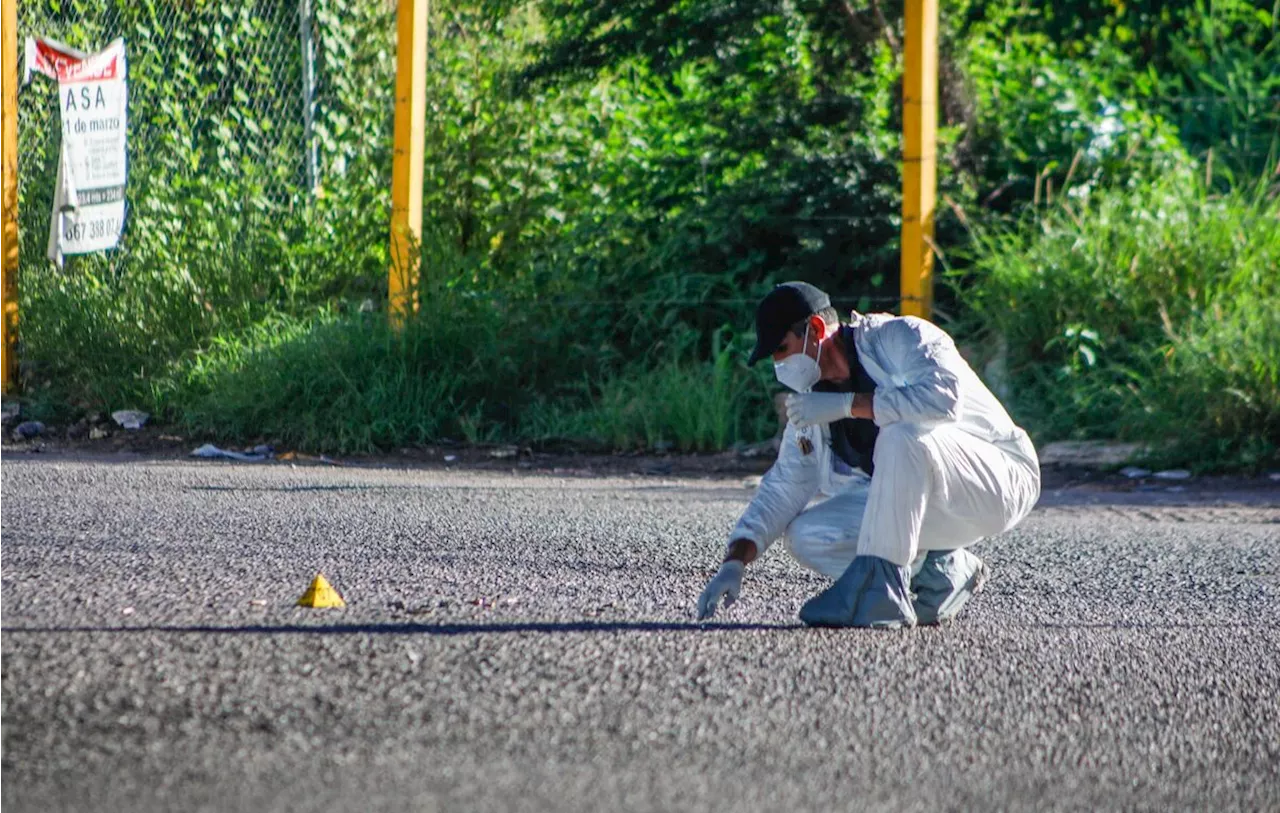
[365,386]
[610,187]
[1147,314]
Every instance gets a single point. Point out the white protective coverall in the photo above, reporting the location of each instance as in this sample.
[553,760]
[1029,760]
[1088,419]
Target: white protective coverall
[951,467]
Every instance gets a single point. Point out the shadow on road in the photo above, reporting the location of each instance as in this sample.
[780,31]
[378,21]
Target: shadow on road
[428,629]
[289,489]
[552,628]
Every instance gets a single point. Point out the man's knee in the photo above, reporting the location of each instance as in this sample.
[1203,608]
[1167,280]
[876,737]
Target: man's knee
[797,546]
[816,552]
[801,541]
[824,537]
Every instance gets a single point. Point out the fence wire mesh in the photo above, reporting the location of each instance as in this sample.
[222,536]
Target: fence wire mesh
[216,89]
[222,81]
[258,152]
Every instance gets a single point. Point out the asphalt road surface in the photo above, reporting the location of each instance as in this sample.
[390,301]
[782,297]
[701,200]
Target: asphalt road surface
[526,642]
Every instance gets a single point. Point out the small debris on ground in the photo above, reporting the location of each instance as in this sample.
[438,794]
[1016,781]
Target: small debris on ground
[1134,472]
[130,418]
[603,608]
[420,609]
[98,433]
[299,457]
[27,430]
[1172,474]
[768,447]
[258,454]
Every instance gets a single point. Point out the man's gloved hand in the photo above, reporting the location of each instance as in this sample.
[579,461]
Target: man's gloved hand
[808,408]
[727,584]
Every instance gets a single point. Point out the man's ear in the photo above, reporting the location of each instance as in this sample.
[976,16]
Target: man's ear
[818,327]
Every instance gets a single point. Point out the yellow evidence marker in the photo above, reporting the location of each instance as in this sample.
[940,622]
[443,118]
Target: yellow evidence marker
[321,594]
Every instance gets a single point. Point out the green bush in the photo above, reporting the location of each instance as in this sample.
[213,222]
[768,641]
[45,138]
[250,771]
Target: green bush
[366,387]
[363,386]
[682,404]
[1227,362]
[1145,313]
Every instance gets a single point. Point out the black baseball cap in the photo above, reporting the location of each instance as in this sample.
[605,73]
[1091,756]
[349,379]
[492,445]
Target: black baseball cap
[785,305]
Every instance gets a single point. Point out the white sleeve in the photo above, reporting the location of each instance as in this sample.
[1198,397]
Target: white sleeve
[923,359]
[784,491]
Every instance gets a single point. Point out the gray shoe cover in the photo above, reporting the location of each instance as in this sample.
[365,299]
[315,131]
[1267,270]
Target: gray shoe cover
[947,579]
[872,592]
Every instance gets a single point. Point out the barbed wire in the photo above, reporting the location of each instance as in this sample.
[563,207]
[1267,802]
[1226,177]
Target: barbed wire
[554,300]
[1220,151]
[1221,98]
[683,302]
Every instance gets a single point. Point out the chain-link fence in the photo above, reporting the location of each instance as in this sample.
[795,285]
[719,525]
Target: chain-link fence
[259,158]
[226,88]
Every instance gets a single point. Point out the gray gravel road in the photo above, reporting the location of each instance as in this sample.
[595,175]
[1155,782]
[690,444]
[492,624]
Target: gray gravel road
[523,642]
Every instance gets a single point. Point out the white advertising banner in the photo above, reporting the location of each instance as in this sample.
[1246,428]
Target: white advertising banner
[88,205]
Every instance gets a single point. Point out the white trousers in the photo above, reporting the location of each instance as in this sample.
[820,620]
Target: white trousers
[935,488]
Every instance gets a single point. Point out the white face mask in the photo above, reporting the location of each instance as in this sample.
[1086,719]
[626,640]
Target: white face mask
[798,371]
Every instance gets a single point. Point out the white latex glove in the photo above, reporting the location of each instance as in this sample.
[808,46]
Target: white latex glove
[808,408]
[727,584]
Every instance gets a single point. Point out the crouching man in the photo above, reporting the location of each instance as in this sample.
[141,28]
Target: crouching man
[912,457]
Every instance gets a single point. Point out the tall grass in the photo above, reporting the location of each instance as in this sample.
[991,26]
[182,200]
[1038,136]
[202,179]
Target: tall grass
[327,383]
[1149,312]
[349,383]
[1146,313]
[689,405]
[104,330]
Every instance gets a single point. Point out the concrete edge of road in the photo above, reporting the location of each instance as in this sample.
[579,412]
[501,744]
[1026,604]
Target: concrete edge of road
[1063,483]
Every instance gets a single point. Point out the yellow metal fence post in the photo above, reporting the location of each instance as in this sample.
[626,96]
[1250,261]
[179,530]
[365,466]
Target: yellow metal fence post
[919,159]
[406,166]
[9,202]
